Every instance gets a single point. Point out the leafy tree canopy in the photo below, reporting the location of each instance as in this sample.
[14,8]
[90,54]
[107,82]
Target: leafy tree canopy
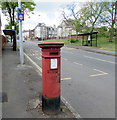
[10,10]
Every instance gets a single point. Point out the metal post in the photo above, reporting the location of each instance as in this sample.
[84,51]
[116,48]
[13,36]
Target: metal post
[20,38]
[14,41]
[83,40]
[42,34]
[96,39]
[11,38]
[91,40]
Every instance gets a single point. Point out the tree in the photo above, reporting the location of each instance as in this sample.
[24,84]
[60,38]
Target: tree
[9,26]
[80,25]
[71,12]
[91,13]
[109,18]
[103,31]
[10,9]
[86,17]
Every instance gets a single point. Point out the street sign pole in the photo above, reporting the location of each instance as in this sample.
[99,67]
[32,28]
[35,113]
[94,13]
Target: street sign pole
[20,38]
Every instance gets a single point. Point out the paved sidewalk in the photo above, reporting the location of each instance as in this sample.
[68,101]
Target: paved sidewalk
[21,89]
[94,49]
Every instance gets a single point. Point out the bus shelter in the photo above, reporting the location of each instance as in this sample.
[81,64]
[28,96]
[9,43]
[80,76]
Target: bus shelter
[12,33]
[89,39]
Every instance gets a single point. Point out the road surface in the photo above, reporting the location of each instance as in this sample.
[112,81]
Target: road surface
[87,80]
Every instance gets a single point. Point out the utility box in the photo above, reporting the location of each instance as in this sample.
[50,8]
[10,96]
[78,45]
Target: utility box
[51,76]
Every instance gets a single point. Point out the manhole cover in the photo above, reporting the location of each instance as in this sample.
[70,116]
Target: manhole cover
[3,97]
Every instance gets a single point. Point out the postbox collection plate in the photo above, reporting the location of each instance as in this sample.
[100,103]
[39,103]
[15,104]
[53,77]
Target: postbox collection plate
[53,63]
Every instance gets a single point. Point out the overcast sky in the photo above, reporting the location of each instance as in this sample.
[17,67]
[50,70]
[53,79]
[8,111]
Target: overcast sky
[46,11]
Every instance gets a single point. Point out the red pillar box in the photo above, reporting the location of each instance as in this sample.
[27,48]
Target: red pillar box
[51,76]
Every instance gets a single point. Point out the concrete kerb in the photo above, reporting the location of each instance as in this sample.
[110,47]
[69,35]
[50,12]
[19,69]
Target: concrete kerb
[93,49]
[39,70]
[101,52]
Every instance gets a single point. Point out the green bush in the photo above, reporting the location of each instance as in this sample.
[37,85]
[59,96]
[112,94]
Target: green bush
[72,40]
[103,31]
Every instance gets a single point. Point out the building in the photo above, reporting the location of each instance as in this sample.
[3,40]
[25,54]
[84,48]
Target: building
[43,32]
[51,32]
[28,34]
[25,34]
[65,29]
[40,31]
[32,34]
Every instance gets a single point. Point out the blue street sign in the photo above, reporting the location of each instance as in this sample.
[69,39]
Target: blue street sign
[20,14]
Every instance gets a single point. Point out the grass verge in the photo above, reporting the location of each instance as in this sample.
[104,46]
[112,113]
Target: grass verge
[102,43]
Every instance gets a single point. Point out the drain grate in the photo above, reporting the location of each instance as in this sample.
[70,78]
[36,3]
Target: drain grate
[3,97]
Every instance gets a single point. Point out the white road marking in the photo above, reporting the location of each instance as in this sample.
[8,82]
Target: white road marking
[88,52]
[38,58]
[70,108]
[101,73]
[30,54]
[65,59]
[36,54]
[38,67]
[100,59]
[36,51]
[66,79]
[63,99]
[77,63]
[69,48]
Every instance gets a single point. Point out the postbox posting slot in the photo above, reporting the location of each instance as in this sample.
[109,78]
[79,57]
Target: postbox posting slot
[53,53]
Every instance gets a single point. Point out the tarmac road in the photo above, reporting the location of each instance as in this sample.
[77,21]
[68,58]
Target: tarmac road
[88,80]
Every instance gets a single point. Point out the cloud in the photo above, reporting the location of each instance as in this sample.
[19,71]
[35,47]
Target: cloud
[61,1]
[40,17]
[46,11]
[4,21]
[50,18]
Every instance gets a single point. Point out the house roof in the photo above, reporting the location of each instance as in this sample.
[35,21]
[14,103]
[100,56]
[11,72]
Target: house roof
[67,23]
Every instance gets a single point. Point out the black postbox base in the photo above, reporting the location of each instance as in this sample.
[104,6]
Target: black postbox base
[51,106]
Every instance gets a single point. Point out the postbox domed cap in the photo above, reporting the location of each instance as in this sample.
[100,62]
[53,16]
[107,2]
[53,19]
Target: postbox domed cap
[51,45]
